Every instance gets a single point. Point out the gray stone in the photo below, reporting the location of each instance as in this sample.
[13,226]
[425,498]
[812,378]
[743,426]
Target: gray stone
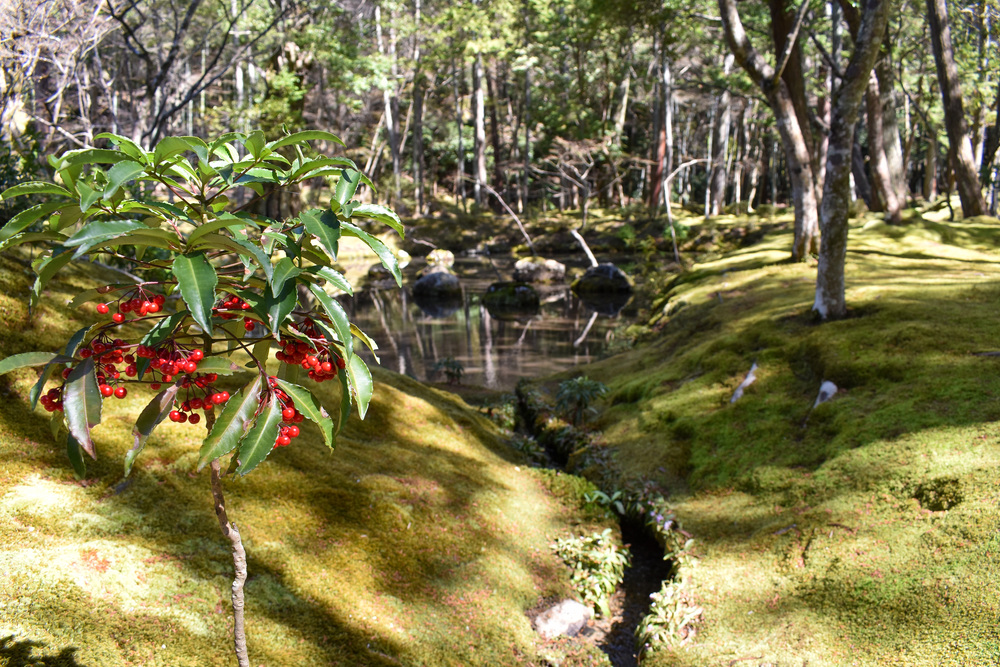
[604,279]
[437,281]
[565,618]
[538,270]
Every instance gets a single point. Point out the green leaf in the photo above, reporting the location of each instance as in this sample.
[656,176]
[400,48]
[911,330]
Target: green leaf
[319,163]
[310,408]
[88,196]
[169,147]
[230,426]
[218,365]
[164,328]
[25,219]
[82,404]
[223,221]
[39,387]
[118,175]
[389,260]
[34,237]
[26,359]
[345,401]
[334,277]
[126,146]
[35,188]
[197,279]
[325,226]
[284,270]
[73,344]
[338,316]
[259,440]
[97,232]
[302,137]
[255,143]
[90,156]
[45,268]
[361,383]
[347,185]
[380,213]
[75,456]
[256,253]
[366,339]
[280,307]
[149,419]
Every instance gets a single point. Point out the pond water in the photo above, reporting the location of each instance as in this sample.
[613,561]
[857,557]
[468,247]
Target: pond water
[494,350]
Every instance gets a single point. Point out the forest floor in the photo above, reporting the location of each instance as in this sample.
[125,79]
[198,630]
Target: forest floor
[863,531]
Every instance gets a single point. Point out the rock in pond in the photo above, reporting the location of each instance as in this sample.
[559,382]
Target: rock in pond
[437,281]
[538,270]
[511,300]
[565,618]
[603,279]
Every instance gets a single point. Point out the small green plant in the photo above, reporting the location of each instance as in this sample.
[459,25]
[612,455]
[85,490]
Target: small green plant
[598,566]
[452,368]
[670,621]
[574,397]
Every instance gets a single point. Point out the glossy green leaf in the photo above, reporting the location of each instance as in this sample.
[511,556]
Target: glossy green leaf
[257,254]
[284,270]
[45,268]
[325,226]
[73,344]
[75,455]
[91,156]
[98,232]
[259,440]
[367,340]
[380,213]
[280,307]
[88,196]
[82,404]
[334,277]
[218,365]
[320,163]
[14,362]
[34,237]
[345,401]
[389,260]
[125,145]
[310,408]
[25,219]
[36,390]
[150,417]
[361,383]
[164,328]
[119,175]
[301,137]
[255,143]
[347,185]
[168,147]
[197,280]
[35,188]
[338,316]
[224,221]
[231,424]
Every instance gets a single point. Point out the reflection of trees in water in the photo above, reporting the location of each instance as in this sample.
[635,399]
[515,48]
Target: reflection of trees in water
[493,352]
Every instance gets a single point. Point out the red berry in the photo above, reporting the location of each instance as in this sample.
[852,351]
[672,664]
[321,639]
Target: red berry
[131,370]
[183,417]
[154,307]
[154,386]
[121,392]
[341,363]
[293,431]
[283,441]
[288,414]
[175,415]
[249,325]
[102,308]
[196,355]
[106,390]
[222,397]
[118,318]
[194,419]
[297,418]
[196,403]
[159,299]
[65,374]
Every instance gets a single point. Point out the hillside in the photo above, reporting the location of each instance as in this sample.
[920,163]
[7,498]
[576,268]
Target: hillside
[419,540]
[861,532]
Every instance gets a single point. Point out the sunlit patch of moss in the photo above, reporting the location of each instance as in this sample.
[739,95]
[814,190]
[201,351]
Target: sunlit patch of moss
[418,540]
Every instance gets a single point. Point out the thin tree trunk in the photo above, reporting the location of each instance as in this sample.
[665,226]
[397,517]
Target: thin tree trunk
[491,90]
[830,286]
[460,177]
[480,127]
[861,182]
[720,145]
[881,176]
[527,138]
[231,533]
[668,136]
[391,102]
[418,117]
[963,164]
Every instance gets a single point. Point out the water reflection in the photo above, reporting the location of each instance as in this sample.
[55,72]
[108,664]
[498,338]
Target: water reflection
[495,352]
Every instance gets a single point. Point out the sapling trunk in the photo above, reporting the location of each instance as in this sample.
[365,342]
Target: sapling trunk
[232,533]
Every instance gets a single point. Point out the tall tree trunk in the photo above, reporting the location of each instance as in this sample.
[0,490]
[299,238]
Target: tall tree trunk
[668,136]
[418,117]
[391,102]
[793,139]
[881,175]
[491,90]
[479,170]
[720,145]
[966,175]
[861,183]
[830,287]
[526,173]
[460,168]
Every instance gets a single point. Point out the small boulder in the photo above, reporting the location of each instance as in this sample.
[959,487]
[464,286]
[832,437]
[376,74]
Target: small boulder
[603,278]
[511,300]
[565,618]
[437,282]
[538,270]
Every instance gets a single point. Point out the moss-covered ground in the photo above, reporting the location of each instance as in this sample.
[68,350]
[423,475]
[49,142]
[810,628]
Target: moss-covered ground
[865,531]
[421,540]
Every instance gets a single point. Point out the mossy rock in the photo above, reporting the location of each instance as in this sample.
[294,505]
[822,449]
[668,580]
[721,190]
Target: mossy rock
[603,279]
[511,300]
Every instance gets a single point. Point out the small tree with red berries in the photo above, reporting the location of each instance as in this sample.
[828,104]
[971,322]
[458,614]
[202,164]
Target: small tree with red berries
[244,283]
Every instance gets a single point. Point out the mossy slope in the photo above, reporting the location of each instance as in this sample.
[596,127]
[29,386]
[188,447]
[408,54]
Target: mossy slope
[864,531]
[416,542]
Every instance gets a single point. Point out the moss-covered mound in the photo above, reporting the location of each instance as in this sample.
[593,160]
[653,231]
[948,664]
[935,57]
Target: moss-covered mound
[416,542]
[864,531]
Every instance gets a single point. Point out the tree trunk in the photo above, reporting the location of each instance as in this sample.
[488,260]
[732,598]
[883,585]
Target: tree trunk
[963,164]
[479,170]
[830,288]
[460,176]
[861,182]
[526,175]
[668,136]
[491,90]
[231,533]
[881,175]
[720,146]
[793,139]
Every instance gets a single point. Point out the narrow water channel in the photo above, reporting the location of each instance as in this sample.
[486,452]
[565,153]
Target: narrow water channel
[415,338]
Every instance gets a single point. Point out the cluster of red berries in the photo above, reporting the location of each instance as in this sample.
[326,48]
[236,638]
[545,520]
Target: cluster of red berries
[289,415]
[169,361]
[322,363]
[206,403]
[52,400]
[136,301]
[108,355]
[235,303]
